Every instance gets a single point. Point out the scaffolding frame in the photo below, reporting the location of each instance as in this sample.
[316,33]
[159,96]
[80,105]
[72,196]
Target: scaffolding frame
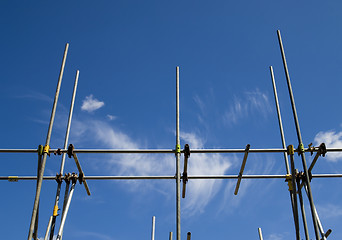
[295,180]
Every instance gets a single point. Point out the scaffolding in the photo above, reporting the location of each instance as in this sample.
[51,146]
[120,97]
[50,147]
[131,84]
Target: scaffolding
[295,180]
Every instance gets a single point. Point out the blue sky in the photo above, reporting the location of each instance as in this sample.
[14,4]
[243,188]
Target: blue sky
[127,53]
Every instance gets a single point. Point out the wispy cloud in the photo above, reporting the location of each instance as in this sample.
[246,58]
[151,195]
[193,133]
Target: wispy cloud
[252,102]
[90,104]
[275,236]
[111,117]
[331,139]
[329,211]
[199,193]
[94,235]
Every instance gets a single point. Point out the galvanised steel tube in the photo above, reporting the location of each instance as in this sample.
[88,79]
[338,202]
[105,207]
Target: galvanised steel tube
[260,234]
[55,209]
[17,178]
[178,153]
[280,123]
[40,179]
[307,237]
[65,213]
[143,151]
[295,205]
[299,136]
[153,227]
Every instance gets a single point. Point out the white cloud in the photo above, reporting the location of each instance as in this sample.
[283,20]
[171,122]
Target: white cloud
[331,139]
[253,102]
[201,192]
[90,104]
[275,236]
[329,211]
[111,117]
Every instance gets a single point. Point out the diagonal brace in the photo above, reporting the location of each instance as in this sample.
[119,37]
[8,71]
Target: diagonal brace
[242,169]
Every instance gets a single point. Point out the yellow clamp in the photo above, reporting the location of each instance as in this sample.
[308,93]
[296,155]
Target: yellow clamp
[178,148]
[290,150]
[47,149]
[301,148]
[40,150]
[289,181]
[13,178]
[55,211]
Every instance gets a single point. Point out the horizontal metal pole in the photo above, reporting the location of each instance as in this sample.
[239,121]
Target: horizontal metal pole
[266,150]
[16,178]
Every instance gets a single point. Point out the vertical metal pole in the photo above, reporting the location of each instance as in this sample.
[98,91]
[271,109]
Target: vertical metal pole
[178,153]
[66,140]
[295,205]
[61,227]
[280,123]
[302,209]
[35,232]
[299,136]
[260,234]
[153,227]
[40,179]
[170,236]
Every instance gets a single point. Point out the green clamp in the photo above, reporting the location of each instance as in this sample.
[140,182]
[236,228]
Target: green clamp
[40,150]
[301,149]
[178,148]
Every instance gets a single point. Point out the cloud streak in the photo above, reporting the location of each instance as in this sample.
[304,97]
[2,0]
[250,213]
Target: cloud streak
[252,102]
[91,104]
[331,139]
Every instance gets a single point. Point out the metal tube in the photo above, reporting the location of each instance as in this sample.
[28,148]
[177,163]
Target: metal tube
[188,236]
[143,151]
[40,179]
[299,136]
[293,179]
[260,234]
[318,220]
[307,237]
[280,123]
[242,169]
[178,192]
[279,120]
[170,236]
[17,178]
[153,227]
[65,212]
[54,215]
[48,229]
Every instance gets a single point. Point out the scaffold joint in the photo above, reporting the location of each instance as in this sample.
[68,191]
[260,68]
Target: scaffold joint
[185,177]
[288,179]
[323,149]
[74,178]
[290,150]
[58,152]
[178,148]
[55,211]
[13,179]
[187,150]
[70,150]
[47,149]
[81,178]
[59,178]
[300,149]
[67,177]
[40,150]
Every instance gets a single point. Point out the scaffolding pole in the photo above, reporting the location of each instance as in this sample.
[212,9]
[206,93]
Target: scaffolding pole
[178,153]
[280,123]
[46,152]
[299,136]
[59,181]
